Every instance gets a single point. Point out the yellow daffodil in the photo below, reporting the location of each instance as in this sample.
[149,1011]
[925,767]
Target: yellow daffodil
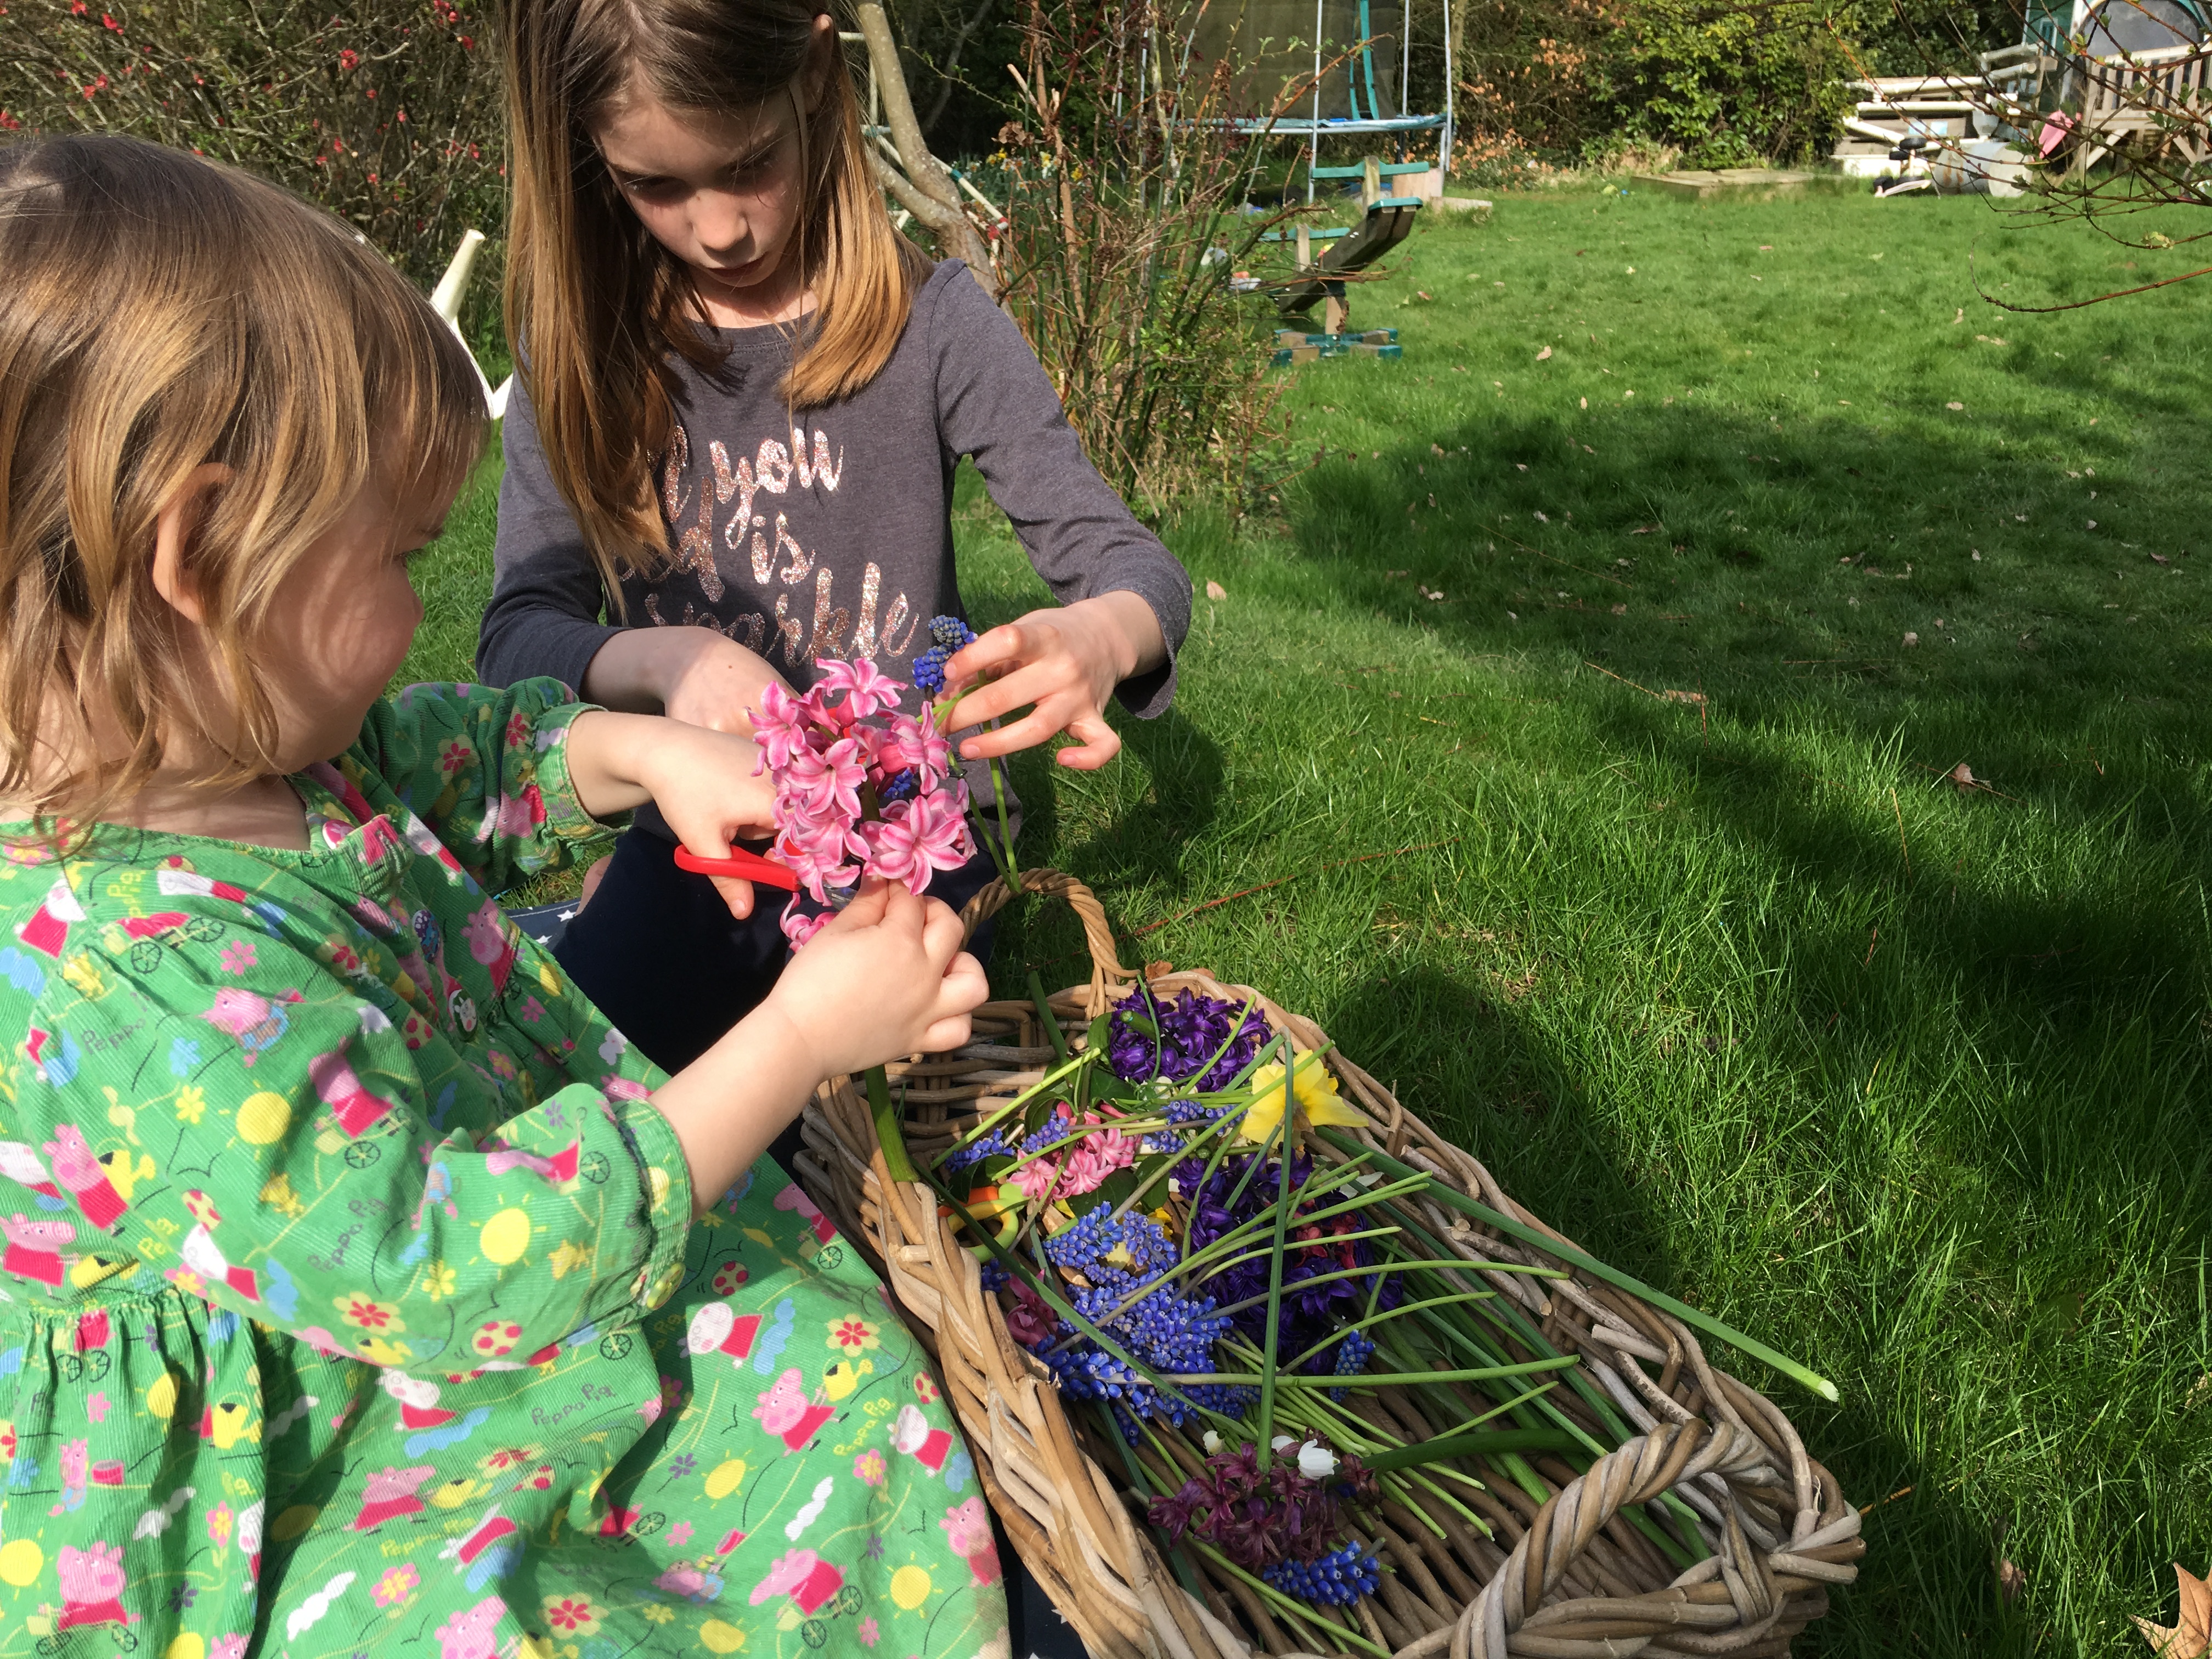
[1314,1085]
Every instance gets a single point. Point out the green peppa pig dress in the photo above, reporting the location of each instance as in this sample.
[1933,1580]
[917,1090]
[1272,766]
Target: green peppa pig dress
[350,1296]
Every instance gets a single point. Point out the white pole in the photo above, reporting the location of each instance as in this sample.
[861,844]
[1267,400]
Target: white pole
[445,298]
[1406,56]
[1313,157]
[1443,169]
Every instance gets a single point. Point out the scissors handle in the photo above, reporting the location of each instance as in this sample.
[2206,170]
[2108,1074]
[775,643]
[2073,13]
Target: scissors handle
[747,867]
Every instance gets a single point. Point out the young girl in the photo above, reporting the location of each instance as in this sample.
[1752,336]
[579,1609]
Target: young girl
[362,1285]
[741,401]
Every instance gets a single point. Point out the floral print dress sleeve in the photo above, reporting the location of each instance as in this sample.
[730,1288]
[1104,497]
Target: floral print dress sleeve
[482,774]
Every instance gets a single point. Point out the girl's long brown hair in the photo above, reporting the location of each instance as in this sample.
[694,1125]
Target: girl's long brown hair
[596,307]
[158,312]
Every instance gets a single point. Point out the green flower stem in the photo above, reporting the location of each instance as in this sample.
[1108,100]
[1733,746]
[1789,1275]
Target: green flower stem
[1510,1317]
[1235,1031]
[1366,1380]
[1269,1371]
[1488,1443]
[1254,1256]
[890,1134]
[1513,1405]
[1186,1575]
[1377,1319]
[1590,1265]
[1047,1018]
[985,1125]
[1048,1292]
[1379,1272]
[1166,1166]
[1002,854]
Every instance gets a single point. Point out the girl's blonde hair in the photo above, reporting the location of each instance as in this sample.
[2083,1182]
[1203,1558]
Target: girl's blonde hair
[596,307]
[157,312]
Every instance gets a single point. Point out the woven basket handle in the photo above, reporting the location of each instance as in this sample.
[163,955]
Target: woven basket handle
[1106,969]
[1747,1603]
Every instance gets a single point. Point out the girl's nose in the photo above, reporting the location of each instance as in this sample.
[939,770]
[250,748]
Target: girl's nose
[719,222]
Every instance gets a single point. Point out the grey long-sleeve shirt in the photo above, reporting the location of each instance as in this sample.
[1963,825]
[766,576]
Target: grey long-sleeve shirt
[829,533]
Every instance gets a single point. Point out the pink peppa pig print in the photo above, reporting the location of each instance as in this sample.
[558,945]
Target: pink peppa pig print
[486,932]
[78,1168]
[968,1529]
[76,1463]
[342,1091]
[470,1635]
[20,1165]
[34,1249]
[48,928]
[792,1199]
[92,1587]
[785,1412]
[417,1398]
[694,1581]
[912,1434]
[388,1493]
[255,1021]
[717,1327]
[803,1576]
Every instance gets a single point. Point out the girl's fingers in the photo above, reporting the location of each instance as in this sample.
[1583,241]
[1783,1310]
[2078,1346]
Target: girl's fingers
[1031,683]
[1040,724]
[945,1034]
[1009,643]
[942,933]
[868,905]
[1096,743]
[737,893]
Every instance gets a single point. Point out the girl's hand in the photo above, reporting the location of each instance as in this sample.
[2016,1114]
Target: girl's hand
[690,674]
[1065,661]
[885,977]
[702,782]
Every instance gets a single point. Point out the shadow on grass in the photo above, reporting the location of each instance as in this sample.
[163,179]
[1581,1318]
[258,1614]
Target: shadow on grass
[1141,844]
[2049,940]
[1936,1556]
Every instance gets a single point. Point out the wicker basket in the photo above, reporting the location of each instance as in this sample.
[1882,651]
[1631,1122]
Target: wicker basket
[1564,1576]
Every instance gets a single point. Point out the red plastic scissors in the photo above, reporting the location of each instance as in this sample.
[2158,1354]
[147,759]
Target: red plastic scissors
[747,867]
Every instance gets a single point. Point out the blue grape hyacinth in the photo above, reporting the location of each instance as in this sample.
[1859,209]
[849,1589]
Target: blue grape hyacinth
[1337,1580]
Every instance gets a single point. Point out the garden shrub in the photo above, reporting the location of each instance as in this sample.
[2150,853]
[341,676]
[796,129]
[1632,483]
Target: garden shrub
[388,113]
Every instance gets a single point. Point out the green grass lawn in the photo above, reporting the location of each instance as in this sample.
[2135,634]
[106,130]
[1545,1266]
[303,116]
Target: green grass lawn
[1741,993]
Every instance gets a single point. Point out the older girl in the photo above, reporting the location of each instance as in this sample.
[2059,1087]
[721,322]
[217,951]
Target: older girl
[742,398]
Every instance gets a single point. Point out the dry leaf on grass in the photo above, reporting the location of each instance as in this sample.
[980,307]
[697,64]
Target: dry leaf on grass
[2190,1637]
[1545,356]
[1216,591]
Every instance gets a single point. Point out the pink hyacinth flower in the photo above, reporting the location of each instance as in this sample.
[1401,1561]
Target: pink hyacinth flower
[825,785]
[909,743]
[868,690]
[817,853]
[939,822]
[798,928]
[782,726]
[1093,1158]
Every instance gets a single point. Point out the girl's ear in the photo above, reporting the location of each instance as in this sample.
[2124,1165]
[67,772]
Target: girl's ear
[176,535]
[821,64]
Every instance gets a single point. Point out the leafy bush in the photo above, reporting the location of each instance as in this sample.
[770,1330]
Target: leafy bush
[1562,82]
[1124,220]
[388,114]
